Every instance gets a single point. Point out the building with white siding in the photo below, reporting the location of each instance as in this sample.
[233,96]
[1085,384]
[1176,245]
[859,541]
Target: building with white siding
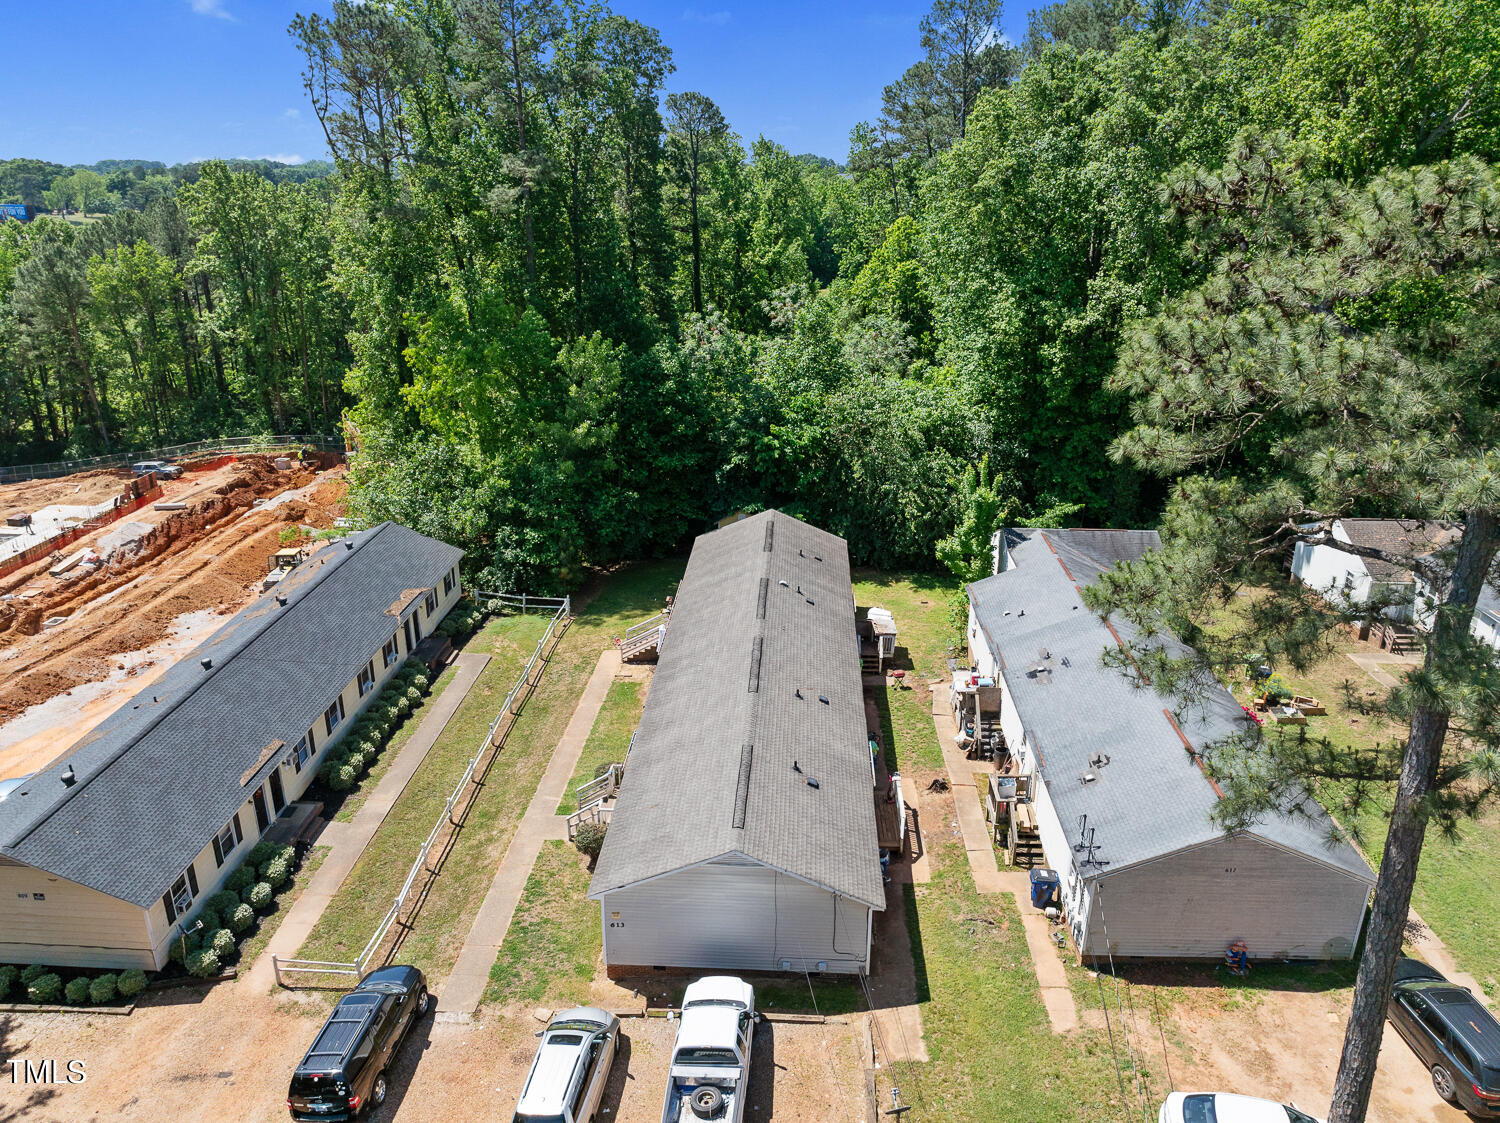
[105,851]
[1122,801]
[744,836]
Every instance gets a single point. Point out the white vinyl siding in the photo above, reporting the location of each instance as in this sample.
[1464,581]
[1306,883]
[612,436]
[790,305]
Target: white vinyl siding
[733,915]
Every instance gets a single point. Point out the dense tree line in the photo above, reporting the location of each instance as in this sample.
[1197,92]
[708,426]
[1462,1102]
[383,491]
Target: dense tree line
[208,312]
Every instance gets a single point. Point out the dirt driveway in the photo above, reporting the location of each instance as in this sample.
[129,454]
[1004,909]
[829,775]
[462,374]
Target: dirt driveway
[226,1055]
[1285,1044]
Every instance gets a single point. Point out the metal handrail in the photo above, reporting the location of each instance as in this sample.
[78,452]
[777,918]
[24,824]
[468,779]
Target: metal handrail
[492,740]
[609,782]
[52,468]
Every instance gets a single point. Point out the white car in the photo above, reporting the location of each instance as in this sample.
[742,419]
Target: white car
[571,1068]
[1225,1107]
[710,1076]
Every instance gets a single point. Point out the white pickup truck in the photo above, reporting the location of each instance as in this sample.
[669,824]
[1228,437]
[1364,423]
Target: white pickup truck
[710,1077]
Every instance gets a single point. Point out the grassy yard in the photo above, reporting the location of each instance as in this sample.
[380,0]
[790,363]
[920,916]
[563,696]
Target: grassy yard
[603,611]
[922,605]
[609,738]
[553,944]
[371,886]
[1454,873]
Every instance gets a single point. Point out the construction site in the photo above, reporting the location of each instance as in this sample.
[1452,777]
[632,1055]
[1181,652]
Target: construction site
[107,578]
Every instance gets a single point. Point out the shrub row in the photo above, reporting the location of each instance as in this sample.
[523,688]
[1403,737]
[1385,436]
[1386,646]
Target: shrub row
[228,915]
[462,620]
[42,985]
[352,756]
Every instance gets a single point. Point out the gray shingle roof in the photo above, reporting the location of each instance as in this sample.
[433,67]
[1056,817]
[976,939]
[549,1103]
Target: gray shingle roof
[162,774]
[1150,799]
[727,679]
[1413,537]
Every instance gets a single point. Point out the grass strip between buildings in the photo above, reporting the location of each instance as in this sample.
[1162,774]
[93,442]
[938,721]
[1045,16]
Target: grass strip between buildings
[609,738]
[552,947]
[453,898]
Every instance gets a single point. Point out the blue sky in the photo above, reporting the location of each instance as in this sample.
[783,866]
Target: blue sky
[178,80]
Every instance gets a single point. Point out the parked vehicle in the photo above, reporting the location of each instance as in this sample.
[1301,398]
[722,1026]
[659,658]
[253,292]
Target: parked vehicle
[1453,1035]
[344,1071]
[1225,1107]
[160,467]
[710,1074]
[570,1069]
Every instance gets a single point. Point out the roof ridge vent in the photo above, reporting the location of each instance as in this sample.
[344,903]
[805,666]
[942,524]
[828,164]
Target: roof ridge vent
[770,536]
[755,650]
[742,788]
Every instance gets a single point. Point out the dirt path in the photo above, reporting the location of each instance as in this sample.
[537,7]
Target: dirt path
[210,557]
[1286,1044]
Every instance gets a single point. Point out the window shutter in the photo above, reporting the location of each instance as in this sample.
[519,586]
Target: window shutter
[166,902]
[218,852]
[193,879]
[239,835]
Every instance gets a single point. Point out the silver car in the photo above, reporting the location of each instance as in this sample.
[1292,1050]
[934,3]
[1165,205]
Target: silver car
[571,1068]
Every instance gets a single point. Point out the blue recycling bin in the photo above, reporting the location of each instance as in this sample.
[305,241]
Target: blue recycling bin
[1044,885]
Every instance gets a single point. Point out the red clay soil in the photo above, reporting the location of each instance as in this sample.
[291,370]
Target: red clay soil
[84,489]
[210,556]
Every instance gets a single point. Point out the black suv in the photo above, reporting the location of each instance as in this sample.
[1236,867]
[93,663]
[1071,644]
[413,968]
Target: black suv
[345,1069]
[1452,1034]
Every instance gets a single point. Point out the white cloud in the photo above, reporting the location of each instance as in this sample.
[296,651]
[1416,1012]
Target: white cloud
[292,114]
[213,8]
[717,18]
[284,158]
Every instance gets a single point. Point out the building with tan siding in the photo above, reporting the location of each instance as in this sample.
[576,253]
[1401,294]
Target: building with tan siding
[107,849]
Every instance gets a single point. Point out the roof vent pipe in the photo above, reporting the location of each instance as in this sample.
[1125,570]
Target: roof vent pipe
[68,777]
[207,664]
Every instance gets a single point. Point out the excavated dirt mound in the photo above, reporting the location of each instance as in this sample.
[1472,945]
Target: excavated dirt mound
[211,556]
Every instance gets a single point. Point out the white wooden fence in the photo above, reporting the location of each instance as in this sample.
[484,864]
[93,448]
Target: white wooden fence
[494,741]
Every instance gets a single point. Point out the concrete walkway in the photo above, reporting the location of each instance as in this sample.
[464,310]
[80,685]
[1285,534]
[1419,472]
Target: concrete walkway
[347,841]
[1371,664]
[462,993]
[1051,977]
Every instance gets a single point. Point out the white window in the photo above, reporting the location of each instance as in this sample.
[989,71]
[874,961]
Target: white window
[391,651]
[430,603]
[228,838]
[179,898]
[303,752]
[334,715]
[367,679]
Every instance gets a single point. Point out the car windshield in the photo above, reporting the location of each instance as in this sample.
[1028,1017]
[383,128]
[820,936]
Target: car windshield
[1199,1109]
[714,1002]
[692,1055]
[310,1087]
[1297,1116]
[586,1027]
[522,1117]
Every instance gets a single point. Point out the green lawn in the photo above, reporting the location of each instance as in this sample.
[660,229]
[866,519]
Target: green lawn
[1454,874]
[553,944]
[922,604]
[609,738]
[250,950]
[371,886]
[604,610]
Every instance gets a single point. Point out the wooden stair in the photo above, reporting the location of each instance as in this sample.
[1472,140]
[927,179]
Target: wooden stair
[642,642]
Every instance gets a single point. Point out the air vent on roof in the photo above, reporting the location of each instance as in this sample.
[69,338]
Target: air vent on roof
[760,603]
[823,698]
[68,777]
[770,534]
[281,599]
[1088,777]
[1098,760]
[742,789]
[348,543]
[207,664]
[755,665]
